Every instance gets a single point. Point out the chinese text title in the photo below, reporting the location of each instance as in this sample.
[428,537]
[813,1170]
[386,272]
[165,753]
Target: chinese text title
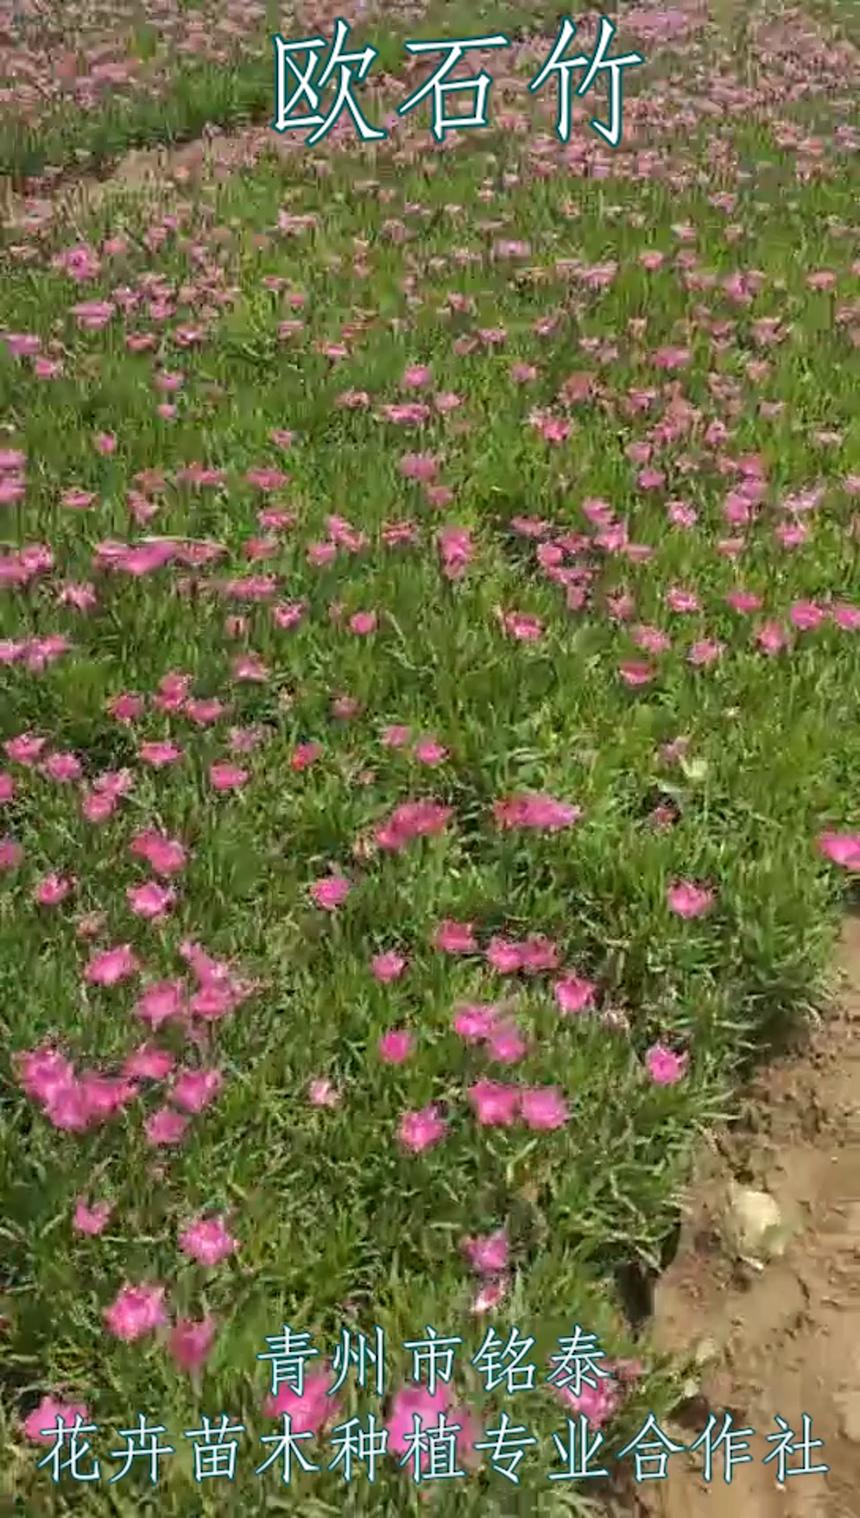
[305,68]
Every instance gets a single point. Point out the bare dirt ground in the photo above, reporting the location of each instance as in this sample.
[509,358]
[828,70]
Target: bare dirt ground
[215,154]
[765,1289]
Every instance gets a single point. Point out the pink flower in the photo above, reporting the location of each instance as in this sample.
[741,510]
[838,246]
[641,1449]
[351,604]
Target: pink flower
[322,1093]
[574,994]
[553,429]
[39,1425]
[91,1220]
[596,1404]
[150,900]
[289,614]
[406,413]
[49,1078]
[77,500]
[396,736]
[670,358]
[412,819]
[842,849]
[844,615]
[704,652]
[243,740]
[487,1255]
[65,1105]
[686,899]
[224,776]
[165,1128]
[681,600]
[543,813]
[135,1312]
[406,1403]
[25,749]
[494,1104]
[322,553]
[204,713]
[744,601]
[665,1067]
[428,751]
[475,1021]
[807,615]
[446,400]
[330,892]
[148,1063]
[43,1072]
[206,969]
[411,1401]
[543,1107]
[310,1411]
[526,629]
[190,1342]
[166,856]
[455,937]
[396,1046]
[161,1000]
[422,1129]
[62,767]
[652,639]
[437,496]
[304,755]
[505,956]
[363,622]
[207,1241]
[771,638]
[213,1000]
[680,514]
[663,816]
[68,1108]
[416,376]
[11,854]
[417,466]
[538,954]
[635,672]
[195,1089]
[98,807]
[111,966]
[489,1294]
[388,966]
[158,755]
[51,890]
[104,1095]
[506,1043]
[455,549]
[346,707]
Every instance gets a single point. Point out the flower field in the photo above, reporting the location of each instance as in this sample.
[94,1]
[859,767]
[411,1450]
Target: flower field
[429,758]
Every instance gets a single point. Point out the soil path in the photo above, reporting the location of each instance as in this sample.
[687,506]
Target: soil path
[773,1319]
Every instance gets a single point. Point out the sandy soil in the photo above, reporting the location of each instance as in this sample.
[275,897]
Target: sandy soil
[773,1318]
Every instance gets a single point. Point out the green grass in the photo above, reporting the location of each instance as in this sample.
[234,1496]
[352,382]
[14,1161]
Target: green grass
[842,15]
[334,1222]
